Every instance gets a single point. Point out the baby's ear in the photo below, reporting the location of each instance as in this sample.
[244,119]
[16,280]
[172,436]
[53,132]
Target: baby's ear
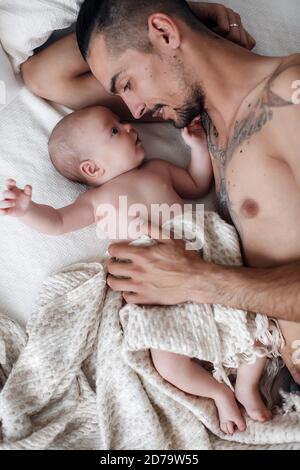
[90,169]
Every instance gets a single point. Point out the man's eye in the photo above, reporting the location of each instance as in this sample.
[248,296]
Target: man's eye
[114,131]
[127,87]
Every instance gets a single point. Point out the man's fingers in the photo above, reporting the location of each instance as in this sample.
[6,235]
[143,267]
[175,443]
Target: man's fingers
[234,34]
[222,20]
[123,251]
[251,41]
[119,268]
[133,298]
[244,39]
[121,285]
[3,212]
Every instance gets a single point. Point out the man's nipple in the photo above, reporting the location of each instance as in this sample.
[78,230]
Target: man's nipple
[249,209]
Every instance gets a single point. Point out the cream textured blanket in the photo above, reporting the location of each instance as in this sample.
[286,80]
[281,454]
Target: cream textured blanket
[81,377]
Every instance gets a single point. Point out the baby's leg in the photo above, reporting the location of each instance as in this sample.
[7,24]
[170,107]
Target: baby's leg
[247,390]
[190,377]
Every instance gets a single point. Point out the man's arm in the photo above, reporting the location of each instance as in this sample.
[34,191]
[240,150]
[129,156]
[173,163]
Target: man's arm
[168,274]
[45,219]
[59,73]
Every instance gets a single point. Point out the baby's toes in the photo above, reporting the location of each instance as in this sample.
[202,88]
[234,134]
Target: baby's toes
[227,427]
[266,415]
[260,415]
[241,424]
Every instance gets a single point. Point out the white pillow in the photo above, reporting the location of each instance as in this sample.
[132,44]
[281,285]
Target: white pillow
[10,85]
[26,25]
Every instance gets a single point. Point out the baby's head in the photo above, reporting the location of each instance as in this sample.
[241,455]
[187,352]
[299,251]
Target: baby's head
[92,146]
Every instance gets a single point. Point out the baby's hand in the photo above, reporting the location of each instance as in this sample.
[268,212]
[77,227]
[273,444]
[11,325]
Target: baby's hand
[194,135]
[16,201]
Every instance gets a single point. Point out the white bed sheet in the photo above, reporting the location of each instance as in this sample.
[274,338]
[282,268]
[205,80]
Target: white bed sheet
[26,257]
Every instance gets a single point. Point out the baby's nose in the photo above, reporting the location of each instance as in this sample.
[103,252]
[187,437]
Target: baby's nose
[128,128]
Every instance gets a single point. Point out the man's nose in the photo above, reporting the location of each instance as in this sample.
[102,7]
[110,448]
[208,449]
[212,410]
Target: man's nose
[137,109]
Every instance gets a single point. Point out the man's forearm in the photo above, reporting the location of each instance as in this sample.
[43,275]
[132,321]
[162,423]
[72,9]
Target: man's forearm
[274,292]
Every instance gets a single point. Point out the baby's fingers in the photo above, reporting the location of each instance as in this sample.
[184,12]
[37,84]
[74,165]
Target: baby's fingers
[185,132]
[11,184]
[9,195]
[28,190]
[7,204]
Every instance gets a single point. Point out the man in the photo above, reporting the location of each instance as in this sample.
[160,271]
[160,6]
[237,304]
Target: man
[159,58]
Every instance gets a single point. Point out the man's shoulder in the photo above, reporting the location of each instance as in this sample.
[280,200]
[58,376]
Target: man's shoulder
[286,79]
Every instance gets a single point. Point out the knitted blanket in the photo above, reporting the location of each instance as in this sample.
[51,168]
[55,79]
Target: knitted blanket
[81,376]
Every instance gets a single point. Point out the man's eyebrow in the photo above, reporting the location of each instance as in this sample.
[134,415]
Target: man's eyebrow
[113,83]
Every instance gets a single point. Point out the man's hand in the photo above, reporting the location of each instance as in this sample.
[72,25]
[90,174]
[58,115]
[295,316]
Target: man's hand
[219,19]
[162,274]
[16,202]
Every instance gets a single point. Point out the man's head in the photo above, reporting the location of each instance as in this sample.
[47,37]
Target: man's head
[137,49]
[92,146]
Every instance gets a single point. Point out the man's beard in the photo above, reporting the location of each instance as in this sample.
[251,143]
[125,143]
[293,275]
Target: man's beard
[193,107]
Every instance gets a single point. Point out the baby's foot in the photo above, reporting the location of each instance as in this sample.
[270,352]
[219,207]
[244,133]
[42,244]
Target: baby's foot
[229,413]
[250,398]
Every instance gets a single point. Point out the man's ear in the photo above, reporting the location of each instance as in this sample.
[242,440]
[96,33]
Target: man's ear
[163,32]
[89,169]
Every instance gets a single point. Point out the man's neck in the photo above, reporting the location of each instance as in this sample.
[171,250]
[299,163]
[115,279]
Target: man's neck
[227,73]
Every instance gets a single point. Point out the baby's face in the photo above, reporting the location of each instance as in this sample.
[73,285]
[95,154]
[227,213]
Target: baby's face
[111,145]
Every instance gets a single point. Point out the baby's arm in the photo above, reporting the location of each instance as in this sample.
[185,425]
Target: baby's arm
[200,167]
[45,219]
[195,181]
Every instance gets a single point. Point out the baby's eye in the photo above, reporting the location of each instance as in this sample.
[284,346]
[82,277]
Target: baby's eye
[114,131]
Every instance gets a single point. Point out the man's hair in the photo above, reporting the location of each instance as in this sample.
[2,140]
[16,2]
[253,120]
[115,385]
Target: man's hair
[124,23]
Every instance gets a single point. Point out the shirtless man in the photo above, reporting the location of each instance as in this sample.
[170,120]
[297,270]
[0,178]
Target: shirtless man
[172,65]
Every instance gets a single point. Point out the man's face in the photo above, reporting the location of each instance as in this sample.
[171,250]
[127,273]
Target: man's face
[148,83]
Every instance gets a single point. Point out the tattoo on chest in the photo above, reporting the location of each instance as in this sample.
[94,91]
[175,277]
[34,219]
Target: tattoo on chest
[259,115]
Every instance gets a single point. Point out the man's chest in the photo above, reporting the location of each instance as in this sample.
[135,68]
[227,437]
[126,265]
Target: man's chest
[256,192]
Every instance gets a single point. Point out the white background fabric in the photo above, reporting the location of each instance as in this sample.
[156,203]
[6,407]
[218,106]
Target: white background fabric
[26,257]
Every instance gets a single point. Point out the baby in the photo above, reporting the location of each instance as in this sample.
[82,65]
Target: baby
[93,147]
